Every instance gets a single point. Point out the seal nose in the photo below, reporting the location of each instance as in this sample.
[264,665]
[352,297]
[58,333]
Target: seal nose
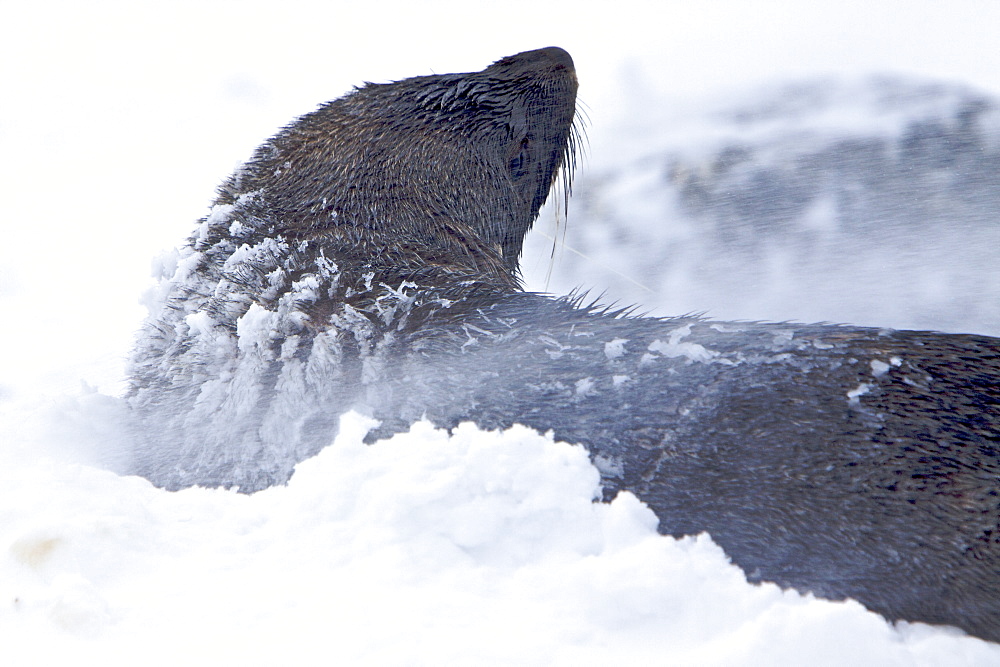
[550,58]
[558,57]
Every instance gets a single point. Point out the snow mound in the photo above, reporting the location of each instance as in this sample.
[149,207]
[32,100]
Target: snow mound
[471,547]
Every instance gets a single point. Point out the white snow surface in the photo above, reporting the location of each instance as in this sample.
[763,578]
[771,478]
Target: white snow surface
[429,548]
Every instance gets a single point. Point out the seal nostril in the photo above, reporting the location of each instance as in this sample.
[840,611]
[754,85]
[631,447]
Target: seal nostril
[558,56]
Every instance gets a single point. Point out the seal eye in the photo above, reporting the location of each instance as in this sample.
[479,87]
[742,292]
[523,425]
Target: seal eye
[519,163]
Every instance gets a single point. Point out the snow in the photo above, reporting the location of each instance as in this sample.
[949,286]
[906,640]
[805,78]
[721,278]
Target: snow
[843,199]
[468,548]
[675,347]
[472,547]
[254,327]
[615,348]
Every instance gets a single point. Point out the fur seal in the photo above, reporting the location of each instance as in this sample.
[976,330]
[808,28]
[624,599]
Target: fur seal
[366,257]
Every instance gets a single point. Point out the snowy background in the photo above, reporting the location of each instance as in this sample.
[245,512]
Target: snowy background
[865,199]
[116,123]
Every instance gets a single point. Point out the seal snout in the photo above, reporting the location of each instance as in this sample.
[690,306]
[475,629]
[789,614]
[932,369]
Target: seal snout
[551,58]
[557,56]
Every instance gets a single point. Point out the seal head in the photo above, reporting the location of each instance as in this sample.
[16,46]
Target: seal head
[435,172]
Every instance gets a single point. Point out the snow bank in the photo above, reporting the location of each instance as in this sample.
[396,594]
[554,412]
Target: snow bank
[429,548]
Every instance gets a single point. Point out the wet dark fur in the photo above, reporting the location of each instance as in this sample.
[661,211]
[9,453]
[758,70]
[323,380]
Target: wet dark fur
[845,461]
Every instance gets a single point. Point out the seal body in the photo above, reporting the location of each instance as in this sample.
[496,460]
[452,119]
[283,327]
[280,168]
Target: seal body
[366,258]
[846,462]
